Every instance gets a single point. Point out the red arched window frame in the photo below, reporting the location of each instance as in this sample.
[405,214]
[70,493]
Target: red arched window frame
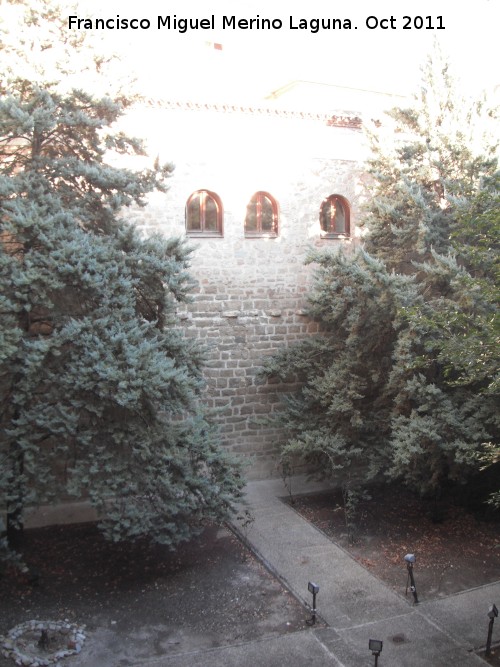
[204,214]
[262,216]
[335,217]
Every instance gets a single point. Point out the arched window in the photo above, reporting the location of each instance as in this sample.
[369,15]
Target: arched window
[204,214]
[334,217]
[262,216]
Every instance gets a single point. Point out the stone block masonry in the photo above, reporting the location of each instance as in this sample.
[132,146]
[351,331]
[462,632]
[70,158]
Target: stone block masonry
[239,333]
[251,299]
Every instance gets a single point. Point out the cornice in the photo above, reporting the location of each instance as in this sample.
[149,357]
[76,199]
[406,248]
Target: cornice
[348,121]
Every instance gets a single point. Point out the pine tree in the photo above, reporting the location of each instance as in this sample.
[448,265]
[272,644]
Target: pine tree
[376,395]
[461,325]
[99,390]
[424,159]
[339,419]
[438,427]
[36,46]
[468,324]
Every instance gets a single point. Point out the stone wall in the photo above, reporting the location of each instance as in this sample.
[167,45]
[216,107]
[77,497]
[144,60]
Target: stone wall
[251,297]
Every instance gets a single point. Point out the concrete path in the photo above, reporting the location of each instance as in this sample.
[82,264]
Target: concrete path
[354,603]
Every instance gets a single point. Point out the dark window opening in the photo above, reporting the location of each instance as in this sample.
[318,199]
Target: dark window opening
[334,217]
[262,216]
[204,214]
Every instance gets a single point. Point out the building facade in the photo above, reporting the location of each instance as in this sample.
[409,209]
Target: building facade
[254,189]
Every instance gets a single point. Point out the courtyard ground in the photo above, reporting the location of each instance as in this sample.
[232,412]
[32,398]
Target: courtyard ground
[145,600]
[213,603]
[456,549]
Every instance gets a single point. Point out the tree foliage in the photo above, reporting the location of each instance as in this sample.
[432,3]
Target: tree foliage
[99,389]
[340,417]
[467,326]
[36,46]
[401,381]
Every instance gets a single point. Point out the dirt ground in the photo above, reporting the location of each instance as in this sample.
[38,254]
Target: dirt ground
[459,551]
[494,658]
[211,592]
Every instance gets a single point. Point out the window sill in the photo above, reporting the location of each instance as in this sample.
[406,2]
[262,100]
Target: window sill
[205,235]
[260,235]
[342,237]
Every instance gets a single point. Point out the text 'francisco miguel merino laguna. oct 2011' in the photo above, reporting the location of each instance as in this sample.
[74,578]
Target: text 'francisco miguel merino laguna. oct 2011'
[313,25]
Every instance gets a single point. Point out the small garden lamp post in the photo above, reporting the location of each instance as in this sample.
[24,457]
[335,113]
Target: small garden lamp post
[492,614]
[410,560]
[375,646]
[314,589]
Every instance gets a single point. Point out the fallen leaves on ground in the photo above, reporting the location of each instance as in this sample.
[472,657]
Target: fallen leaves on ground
[459,551]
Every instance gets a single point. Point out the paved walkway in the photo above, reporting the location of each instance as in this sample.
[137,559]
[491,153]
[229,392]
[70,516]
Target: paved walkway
[355,604]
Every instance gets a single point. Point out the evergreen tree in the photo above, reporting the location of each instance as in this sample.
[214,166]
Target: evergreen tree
[468,324]
[340,417]
[36,46]
[425,159]
[99,388]
[462,325]
[376,387]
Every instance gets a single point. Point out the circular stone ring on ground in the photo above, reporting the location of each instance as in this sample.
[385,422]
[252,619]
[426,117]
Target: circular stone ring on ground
[42,643]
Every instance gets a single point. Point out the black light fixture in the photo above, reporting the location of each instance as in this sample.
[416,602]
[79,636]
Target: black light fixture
[410,561]
[314,589]
[375,646]
[492,614]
